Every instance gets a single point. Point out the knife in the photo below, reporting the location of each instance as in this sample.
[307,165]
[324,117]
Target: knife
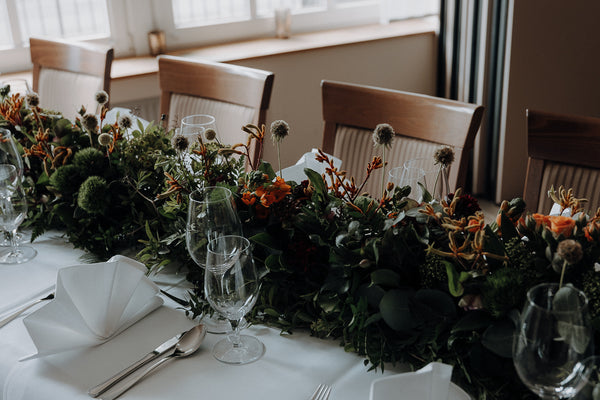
[110,382]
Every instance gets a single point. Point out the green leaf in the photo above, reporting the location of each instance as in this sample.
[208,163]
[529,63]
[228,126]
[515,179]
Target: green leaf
[266,240]
[498,337]
[317,182]
[437,301]
[507,227]
[395,310]
[385,277]
[455,279]
[472,321]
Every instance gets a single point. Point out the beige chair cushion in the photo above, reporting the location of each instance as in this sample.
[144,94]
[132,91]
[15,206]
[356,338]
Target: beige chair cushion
[584,181]
[66,91]
[229,117]
[355,148]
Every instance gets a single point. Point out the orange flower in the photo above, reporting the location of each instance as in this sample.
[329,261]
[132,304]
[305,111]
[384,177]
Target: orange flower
[561,225]
[248,198]
[540,219]
[475,225]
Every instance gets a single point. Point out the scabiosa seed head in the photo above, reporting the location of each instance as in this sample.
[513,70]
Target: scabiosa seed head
[101,97]
[210,134]
[383,135]
[279,130]
[104,139]
[125,121]
[570,251]
[180,142]
[32,99]
[90,123]
[444,156]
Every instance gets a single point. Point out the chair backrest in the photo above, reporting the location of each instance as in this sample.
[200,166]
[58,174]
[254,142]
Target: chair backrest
[563,150]
[67,75]
[422,125]
[234,95]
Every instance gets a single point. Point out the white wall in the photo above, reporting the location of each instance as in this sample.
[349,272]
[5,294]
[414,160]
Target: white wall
[405,63]
[554,65]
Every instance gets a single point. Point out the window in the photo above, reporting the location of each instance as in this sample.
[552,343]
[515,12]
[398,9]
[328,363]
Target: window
[124,24]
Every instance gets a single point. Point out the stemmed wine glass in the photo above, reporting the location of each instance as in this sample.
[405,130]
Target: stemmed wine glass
[553,340]
[231,286]
[13,201]
[196,125]
[211,214]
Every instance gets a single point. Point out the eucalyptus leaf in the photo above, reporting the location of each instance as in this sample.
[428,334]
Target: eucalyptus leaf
[395,310]
[498,337]
[385,277]
[455,279]
[474,320]
[437,301]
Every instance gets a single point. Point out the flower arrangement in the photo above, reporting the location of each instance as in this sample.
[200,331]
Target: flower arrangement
[392,279]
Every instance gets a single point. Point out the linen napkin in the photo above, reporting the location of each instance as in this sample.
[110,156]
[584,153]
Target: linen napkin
[432,382]
[296,172]
[93,303]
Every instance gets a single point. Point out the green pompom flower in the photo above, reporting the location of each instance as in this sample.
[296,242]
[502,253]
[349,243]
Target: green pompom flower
[65,179]
[92,193]
[88,161]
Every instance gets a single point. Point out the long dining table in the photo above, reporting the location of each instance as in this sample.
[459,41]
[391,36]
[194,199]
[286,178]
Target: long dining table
[291,368]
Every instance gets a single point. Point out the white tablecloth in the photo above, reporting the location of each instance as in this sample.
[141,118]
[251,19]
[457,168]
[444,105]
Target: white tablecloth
[291,368]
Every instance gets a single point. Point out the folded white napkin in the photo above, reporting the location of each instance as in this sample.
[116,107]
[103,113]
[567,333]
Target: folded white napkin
[296,172]
[556,211]
[432,382]
[93,303]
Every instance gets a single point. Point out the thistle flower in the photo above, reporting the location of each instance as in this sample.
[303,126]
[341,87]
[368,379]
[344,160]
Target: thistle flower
[383,135]
[101,97]
[444,156]
[104,139]
[32,99]
[90,123]
[210,134]
[180,142]
[279,130]
[570,251]
[125,121]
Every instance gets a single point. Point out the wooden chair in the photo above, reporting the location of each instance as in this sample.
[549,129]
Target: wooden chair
[233,94]
[563,150]
[422,124]
[67,75]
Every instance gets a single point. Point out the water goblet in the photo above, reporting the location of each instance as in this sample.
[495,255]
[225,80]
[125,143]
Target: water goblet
[553,340]
[211,213]
[194,126]
[409,176]
[13,210]
[231,286]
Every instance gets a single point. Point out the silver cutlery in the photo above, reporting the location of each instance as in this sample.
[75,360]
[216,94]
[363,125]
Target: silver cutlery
[187,345]
[110,382]
[322,392]
[23,309]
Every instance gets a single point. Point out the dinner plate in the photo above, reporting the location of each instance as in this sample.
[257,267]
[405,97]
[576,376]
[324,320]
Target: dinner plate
[405,387]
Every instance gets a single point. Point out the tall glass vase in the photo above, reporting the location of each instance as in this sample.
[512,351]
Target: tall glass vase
[441,188]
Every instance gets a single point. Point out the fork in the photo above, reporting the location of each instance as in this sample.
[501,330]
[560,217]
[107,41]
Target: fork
[321,393]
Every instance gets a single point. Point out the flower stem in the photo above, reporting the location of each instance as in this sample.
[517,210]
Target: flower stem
[279,159]
[383,174]
[562,274]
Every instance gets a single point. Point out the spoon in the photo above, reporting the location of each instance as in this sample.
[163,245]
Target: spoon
[186,346]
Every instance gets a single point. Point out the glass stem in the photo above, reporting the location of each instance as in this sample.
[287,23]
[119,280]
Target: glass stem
[12,235]
[235,335]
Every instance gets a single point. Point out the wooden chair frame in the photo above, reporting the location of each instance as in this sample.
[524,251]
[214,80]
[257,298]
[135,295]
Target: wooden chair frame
[559,138]
[83,58]
[433,119]
[228,83]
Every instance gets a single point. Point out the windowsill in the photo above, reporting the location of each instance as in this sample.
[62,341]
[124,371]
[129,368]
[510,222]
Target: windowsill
[134,67]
